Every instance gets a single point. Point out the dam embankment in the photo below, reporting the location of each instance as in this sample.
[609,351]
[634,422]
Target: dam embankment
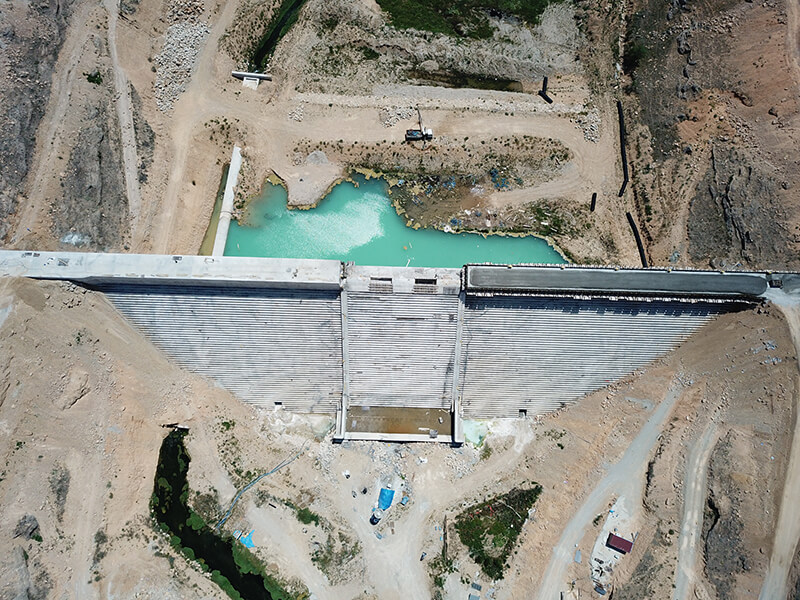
[485,341]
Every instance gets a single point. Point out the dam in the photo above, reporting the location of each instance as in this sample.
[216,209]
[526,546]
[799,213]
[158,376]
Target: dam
[403,353]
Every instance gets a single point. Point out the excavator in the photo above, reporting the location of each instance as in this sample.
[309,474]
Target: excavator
[415,135]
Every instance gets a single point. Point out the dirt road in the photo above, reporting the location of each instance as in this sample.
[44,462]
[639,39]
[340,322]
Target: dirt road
[130,160]
[694,493]
[787,530]
[622,479]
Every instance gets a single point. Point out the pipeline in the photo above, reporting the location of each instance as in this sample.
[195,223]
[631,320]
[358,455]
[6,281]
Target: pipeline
[543,92]
[255,481]
[635,229]
[594,202]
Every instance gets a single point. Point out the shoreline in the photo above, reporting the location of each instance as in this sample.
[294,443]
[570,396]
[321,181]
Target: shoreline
[391,180]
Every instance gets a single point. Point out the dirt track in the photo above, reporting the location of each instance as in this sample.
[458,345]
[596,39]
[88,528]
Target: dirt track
[625,478]
[66,75]
[694,494]
[787,530]
[130,160]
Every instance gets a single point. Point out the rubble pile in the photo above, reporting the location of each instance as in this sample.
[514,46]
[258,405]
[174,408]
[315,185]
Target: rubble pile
[182,42]
[176,60]
[184,10]
[590,124]
[391,115]
[297,113]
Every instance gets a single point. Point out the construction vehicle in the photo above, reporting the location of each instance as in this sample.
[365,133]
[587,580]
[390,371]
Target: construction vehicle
[423,134]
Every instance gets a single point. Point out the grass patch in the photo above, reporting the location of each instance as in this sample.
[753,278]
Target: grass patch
[464,18]
[306,516]
[490,529]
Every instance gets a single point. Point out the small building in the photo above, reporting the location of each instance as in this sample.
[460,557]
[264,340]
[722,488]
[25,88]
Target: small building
[619,544]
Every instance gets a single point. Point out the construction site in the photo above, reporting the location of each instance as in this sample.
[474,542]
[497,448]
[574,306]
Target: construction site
[390,299]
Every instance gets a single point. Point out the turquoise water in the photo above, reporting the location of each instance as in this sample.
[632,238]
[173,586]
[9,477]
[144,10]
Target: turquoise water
[359,223]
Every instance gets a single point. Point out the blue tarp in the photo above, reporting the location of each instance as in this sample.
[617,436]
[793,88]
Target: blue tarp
[385,498]
[247,540]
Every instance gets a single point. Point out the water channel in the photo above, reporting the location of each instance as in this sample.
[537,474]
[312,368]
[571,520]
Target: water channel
[357,222]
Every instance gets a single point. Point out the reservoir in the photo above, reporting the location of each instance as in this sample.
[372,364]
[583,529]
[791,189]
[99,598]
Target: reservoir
[359,223]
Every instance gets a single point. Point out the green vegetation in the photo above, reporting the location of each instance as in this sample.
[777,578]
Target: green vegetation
[231,566]
[486,451]
[369,53]
[100,539]
[279,26]
[464,18]
[440,567]
[95,77]
[305,516]
[636,53]
[338,550]
[490,529]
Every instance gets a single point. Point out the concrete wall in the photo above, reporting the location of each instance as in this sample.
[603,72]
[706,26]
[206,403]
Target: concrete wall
[316,336]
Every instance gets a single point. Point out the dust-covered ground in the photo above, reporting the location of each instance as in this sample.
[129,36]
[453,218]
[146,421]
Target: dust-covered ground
[711,91]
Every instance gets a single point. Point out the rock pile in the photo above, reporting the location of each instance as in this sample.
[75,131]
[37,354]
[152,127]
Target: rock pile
[175,63]
[590,124]
[184,10]
[391,115]
[27,528]
[297,113]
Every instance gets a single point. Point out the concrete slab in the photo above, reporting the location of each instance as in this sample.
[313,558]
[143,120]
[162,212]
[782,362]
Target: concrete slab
[639,282]
[91,268]
[360,278]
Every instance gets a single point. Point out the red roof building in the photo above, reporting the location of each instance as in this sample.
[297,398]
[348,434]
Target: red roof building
[619,544]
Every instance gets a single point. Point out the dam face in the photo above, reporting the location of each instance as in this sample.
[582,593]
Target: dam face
[323,337]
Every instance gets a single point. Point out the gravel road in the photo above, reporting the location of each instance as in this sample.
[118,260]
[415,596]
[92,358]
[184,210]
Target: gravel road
[622,479]
[694,494]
